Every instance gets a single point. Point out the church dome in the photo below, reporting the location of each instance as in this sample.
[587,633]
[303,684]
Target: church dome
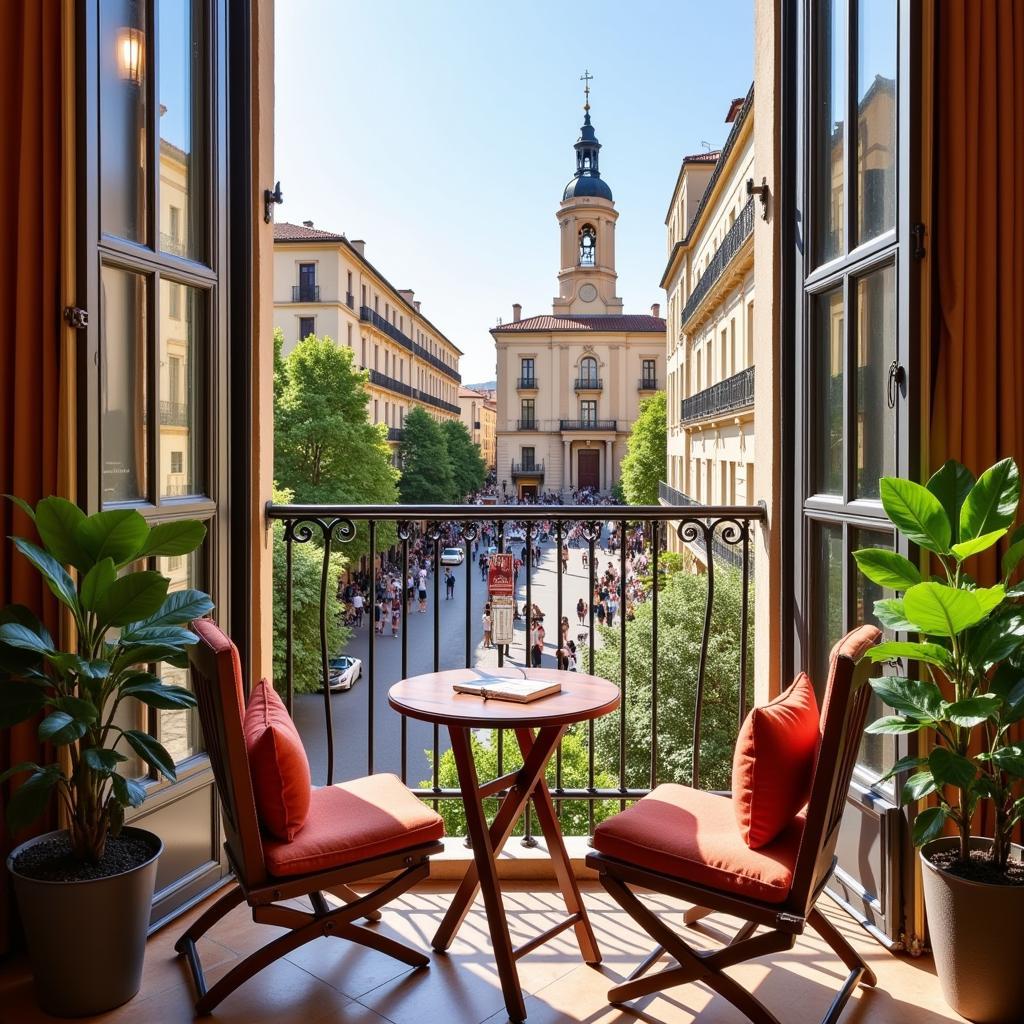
[590,185]
[587,181]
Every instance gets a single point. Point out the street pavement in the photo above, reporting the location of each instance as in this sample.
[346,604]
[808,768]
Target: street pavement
[350,710]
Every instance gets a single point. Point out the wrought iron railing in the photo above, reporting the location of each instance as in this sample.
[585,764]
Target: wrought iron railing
[526,383]
[382,380]
[586,424]
[173,414]
[741,230]
[531,469]
[305,293]
[172,244]
[647,384]
[671,496]
[528,424]
[589,384]
[350,300]
[395,433]
[385,326]
[388,742]
[735,392]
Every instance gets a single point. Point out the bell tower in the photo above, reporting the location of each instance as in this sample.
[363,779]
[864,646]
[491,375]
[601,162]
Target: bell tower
[586,221]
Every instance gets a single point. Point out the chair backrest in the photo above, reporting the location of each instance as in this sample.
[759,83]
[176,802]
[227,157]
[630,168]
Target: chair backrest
[217,681]
[843,714]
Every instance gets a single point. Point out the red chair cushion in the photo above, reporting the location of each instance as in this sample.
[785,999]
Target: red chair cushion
[278,765]
[773,763]
[354,821]
[690,835]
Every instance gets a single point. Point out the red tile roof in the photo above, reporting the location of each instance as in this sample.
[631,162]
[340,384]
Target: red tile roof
[704,157]
[300,233]
[627,322]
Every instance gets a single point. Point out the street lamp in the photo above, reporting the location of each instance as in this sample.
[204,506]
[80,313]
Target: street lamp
[130,46]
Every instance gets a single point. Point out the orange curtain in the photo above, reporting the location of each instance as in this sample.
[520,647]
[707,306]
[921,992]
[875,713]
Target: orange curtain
[30,325]
[977,388]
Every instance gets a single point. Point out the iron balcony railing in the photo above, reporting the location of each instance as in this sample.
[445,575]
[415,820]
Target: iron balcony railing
[741,230]
[527,424]
[589,384]
[395,433]
[647,384]
[735,392]
[382,380]
[174,414]
[305,293]
[172,244]
[586,424]
[385,326]
[350,300]
[727,552]
[526,383]
[530,469]
[367,734]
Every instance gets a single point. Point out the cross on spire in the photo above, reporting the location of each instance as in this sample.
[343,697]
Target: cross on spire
[586,78]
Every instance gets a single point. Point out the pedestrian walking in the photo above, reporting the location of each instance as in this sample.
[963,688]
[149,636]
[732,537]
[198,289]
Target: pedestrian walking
[449,585]
[357,606]
[396,611]
[581,610]
[423,596]
[486,622]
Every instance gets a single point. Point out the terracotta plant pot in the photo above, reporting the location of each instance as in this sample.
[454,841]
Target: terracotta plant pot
[977,934]
[87,940]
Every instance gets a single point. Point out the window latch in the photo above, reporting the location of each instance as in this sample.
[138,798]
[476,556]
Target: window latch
[897,376]
[76,317]
[271,198]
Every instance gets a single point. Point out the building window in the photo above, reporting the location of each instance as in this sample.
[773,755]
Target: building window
[649,373]
[349,335]
[363,295]
[307,282]
[307,326]
[588,246]
[588,411]
[588,370]
[177,462]
[175,225]
[174,300]
[527,372]
[528,413]
[529,455]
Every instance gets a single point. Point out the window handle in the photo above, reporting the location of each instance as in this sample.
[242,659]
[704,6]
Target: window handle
[897,375]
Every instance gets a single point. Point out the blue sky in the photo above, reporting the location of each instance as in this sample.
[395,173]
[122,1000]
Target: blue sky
[441,132]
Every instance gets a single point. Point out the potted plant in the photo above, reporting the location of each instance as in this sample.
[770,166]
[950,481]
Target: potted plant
[964,703]
[84,892]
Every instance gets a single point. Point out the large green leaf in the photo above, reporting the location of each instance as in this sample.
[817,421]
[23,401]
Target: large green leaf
[887,568]
[916,513]
[917,786]
[144,654]
[180,607]
[904,764]
[18,659]
[60,728]
[895,724]
[919,698]
[181,537]
[965,549]
[29,800]
[175,636]
[950,769]
[972,711]
[992,501]
[57,521]
[151,752]
[1011,558]
[98,580]
[998,638]
[117,534]
[891,615]
[103,759]
[930,654]
[128,792]
[14,634]
[157,694]
[23,505]
[951,484]
[941,610]
[57,577]
[19,701]
[78,707]
[928,824]
[132,597]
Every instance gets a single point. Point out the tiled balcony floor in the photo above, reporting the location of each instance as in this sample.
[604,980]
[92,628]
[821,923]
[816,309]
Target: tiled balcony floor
[330,980]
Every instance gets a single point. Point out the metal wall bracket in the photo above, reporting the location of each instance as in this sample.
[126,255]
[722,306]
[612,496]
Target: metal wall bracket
[271,198]
[76,317]
[763,192]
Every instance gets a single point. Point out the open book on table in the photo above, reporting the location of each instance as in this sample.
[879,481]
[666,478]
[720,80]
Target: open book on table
[519,691]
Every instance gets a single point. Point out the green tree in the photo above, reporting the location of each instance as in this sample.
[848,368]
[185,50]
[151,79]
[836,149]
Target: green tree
[681,603]
[646,452]
[326,450]
[307,570]
[575,763]
[427,477]
[468,467]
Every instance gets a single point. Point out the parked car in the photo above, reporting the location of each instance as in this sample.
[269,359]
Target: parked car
[343,672]
[452,556]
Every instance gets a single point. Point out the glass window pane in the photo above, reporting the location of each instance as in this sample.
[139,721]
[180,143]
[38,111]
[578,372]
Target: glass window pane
[183,353]
[876,117]
[123,383]
[182,129]
[123,59]
[826,611]
[876,348]
[179,731]
[830,116]
[827,433]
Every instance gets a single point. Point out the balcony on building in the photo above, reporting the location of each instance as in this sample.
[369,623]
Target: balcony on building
[395,433]
[528,470]
[733,394]
[647,384]
[382,324]
[526,383]
[528,424]
[588,384]
[350,300]
[588,424]
[305,293]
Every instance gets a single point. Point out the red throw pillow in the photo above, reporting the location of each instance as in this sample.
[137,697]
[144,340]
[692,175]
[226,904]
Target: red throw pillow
[281,781]
[773,763]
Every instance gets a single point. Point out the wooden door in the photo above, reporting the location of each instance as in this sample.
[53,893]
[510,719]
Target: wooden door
[589,469]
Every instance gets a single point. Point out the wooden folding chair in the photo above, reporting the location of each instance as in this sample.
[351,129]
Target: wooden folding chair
[354,831]
[773,888]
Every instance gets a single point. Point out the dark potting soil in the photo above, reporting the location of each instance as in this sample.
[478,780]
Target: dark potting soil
[980,868]
[50,860]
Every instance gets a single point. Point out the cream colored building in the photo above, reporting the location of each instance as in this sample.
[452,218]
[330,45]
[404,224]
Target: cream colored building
[709,281]
[480,415]
[570,384]
[324,285]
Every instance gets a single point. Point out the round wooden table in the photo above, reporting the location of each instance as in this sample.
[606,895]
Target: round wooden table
[431,698]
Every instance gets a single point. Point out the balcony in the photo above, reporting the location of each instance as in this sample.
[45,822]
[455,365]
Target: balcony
[305,293]
[174,414]
[588,384]
[350,300]
[587,424]
[526,384]
[729,395]
[647,384]
[385,326]
[395,434]
[527,424]
[698,540]
[531,470]
[382,380]
[741,230]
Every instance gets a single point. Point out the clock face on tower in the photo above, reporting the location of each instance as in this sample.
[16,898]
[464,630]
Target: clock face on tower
[588,293]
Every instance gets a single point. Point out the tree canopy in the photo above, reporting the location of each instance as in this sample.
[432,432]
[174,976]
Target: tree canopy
[427,477]
[468,470]
[646,452]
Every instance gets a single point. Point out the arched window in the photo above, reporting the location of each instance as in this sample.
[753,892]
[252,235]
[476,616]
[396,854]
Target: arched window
[588,245]
[588,369]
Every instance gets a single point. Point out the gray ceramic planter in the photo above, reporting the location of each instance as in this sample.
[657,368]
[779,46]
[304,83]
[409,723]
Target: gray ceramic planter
[977,935]
[87,940]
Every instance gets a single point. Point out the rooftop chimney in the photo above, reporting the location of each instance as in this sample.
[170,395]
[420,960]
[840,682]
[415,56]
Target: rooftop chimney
[656,309]
[417,305]
[517,312]
[734,109]
[407,294]
[307,223]
[359,245]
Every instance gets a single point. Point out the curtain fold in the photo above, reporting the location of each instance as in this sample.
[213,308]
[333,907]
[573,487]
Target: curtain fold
[976,412]
[30,328]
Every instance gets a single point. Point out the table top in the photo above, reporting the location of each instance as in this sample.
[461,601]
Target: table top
[430,698]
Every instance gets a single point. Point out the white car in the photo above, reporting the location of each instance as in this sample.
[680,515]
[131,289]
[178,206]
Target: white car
[452,556]
[343,672]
